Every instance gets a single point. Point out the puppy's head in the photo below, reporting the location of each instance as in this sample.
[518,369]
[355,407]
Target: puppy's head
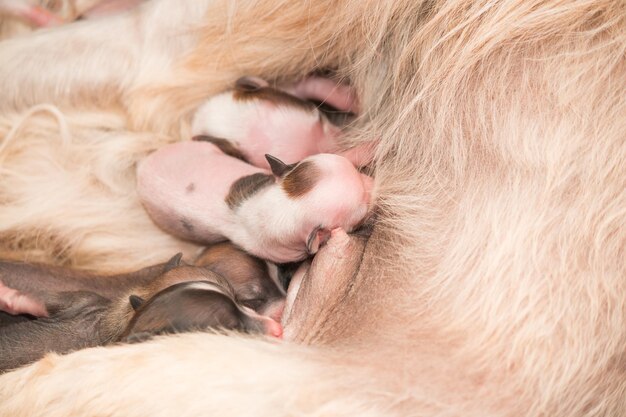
[194,306]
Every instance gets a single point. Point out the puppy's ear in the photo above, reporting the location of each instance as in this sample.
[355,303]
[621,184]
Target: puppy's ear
[249,84]
[174,262]
[136,301]
[278,167]
[317,238]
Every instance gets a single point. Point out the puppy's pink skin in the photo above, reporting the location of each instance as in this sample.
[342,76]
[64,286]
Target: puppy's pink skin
[291,133]
[272,326]
[15,302]
[183,187]
[258,127]
[182,183]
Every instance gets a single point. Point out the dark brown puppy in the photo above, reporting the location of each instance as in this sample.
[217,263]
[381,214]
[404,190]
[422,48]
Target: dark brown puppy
[38,281]
[183,298]
[190,306]
[255,281]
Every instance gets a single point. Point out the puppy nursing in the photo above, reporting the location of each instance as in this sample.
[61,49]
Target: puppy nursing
[254,280]
[263,120]
[493,283]
[217,186]
[163,299]
[194,191]
[212,188]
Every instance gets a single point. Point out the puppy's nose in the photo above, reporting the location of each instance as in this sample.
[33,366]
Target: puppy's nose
[275,310]
[278,314]
[274,328]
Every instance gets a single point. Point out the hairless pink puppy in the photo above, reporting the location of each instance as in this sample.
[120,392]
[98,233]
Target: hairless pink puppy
[195,191]
[257,119]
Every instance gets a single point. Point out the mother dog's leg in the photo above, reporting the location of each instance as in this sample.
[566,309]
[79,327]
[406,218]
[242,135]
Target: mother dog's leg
[236,376]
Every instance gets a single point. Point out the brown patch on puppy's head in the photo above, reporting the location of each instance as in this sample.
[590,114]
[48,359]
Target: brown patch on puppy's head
[301,179]
[246,187]
[250,88]
[224,145]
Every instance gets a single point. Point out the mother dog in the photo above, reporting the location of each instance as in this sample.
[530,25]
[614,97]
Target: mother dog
[493,282]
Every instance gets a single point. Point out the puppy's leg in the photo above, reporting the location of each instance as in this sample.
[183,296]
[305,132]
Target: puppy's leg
[16,302]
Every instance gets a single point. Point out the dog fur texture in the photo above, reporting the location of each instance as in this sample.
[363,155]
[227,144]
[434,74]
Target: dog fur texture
[494,283]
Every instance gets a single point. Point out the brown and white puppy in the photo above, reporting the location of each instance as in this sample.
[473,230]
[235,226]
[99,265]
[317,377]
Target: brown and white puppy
[257,119]
[195,191]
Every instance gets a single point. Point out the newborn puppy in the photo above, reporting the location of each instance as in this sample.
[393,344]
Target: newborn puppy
[255,119]
[195,191]
[192,306]
[255,281]
[182,299]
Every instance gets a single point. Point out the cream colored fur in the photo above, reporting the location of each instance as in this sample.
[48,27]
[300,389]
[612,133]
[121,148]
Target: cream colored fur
[67,10]
[495,281]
